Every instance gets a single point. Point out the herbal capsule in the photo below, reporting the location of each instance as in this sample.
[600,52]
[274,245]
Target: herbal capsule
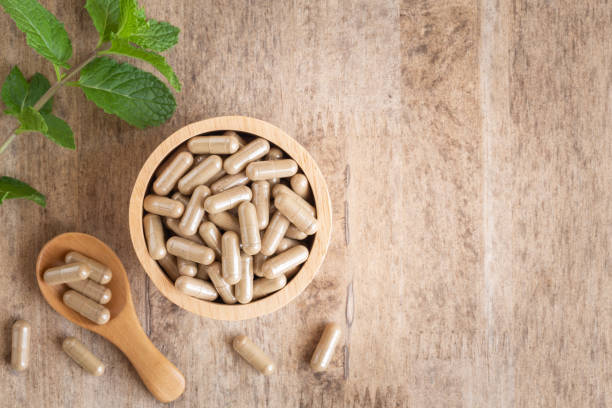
[83,357]
[181,198]
[283,189]
[199,159]
[249,230]
[285,244]
[223,288]
[264,170]
[92,290]
[194,212]
[325,349]
[294,233]
[86,307]
[216,177]
[274,154]
[98,272]
[244,288]
[239,138]
[292,272]
[225,221]
[196,288]
[261,199]
[274,233]
[253,355]
[211,236]
[225,144]
[168,264]
[183,248]
[66,273]
[299,184]
[263,287]
[258,261]
[154,233]
[163,206]
[251,152]
[227,182]
[298,215]
[162,167]
[173,225]
[200,174]
[186,267]
[168,178]
[230,257]
[20,347]
[281,263]
[203,272]
[227,199]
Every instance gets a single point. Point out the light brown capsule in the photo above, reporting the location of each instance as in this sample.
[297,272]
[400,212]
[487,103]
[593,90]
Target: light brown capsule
[225,144]
[66,273]
[230,257]
[196,288]
[194,212]
[92,290]
[292,272]
[200,174]
[164,206]
[263,287]
[217,177]
[183,248]
[168,264]
[203,272]
[298,215]
[265,170]
[173,225]
[162,167]
[294,233]
[20,346]
[199,159]
[251,152]
[274,154]
[283,189]
[254,355]
[168,178]
[86,307]
[181,198]
[227,199]
[211,236]
[281,263]
[227,182]
[285,244]
[244,288]
[325,349]
[83,357]
[261,200]
[223,288]
[98,272]
[225,221]
[186,267]
[258,261]
[274,233]
[239,138]
[249,230]
[299,184]
[154,234]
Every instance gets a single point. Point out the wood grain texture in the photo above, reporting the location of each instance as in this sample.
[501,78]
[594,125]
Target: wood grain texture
[467,150]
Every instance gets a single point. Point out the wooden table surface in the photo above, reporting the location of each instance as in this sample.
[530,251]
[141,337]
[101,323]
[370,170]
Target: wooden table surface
[468,151]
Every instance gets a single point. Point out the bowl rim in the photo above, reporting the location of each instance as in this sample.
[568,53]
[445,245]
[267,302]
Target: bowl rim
[320,194]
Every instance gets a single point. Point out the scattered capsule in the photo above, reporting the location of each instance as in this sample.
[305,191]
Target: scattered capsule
[225,221]
[258,261]
[298,215]
[186,267]
[274,233]
[181,198]
[168,178]
[173,225]
[227,182]
[183,248]
[154,233]
[200,174]
[253,355]
[83,357]
[168,264]
[227,199]
[211,236]
[283,262]
[261,199]
[230,257]
[285,244]
[163,206]
[92,290]
[194,212]
[244,288]
[283,189]
[66,273]
[251,152]
[294,233]
[299,184]
[196,288]
[264,287]
[223,288]
[265,170]
[325,349]
[98,272]
[20,347]
[225,144]
[86,307]
[249,230]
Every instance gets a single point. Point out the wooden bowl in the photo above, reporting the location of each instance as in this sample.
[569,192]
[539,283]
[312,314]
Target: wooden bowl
[321,239]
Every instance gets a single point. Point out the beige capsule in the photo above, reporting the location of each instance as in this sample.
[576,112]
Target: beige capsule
[186,267]
[326,347]
[216,177]
[162,167]
[285,244]
[258,261]
[154,234]
[265,170]
[299,184]
[168,264]
[298,215]
[261,200]
[226,221]
[244,288]
[231,181]
[227,199]
[66,273]
[230,257]
[211,236]
[249,229]
[203,272]
[283,189]
[274,233]
[20,346]
[274,154]
[200,174]
[164,206]
[263,287]
[181,198]
[86,307]
[196,288]
[183,248]
[223,288]
[199,159]
[194,212]
[92,290]
[254,355]
[216,144]
[283,262]
[239,138]
[98,272]
[292,272]
[294,233]
[82,356]
[251,152]
[168,178]
[173,225]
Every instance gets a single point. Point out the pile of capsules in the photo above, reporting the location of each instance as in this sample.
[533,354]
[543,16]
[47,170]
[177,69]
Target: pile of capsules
[214,194]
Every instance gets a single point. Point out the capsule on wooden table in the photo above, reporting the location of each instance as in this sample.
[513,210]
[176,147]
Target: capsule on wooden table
[168,178]
[249,229]
[244,288]
[223,288]
[216,144]
[86,307]
[265,170]
[211,236]
[186,267]
[297,215]
[230,257]
[98,272]
[294,233]
[225,221]
[227,199]
[200,174]
[261,200]
[92,290]
[20,346]
[183,248]
[231,181]
[173,225]
[254,355]
[164,206]
[168,264]
[283,189]
[326,347]
[251,152]
[283,262]
[274,233]
[194,212]
[82,356]
[66,273]
[258,261]
[154,234]
[196,288]
[299,184]
[263,287]
[285,244]
[180,197]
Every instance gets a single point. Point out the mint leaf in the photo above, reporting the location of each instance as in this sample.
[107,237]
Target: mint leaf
[31,121]
[123,47]
[14,91]
[132,18]
[59,131]
[156,35]
[43,31]
[105,15]
[134,95]
[13,188]
[38,86]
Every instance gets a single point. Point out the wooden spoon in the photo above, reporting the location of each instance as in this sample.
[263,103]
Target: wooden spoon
[159,375]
